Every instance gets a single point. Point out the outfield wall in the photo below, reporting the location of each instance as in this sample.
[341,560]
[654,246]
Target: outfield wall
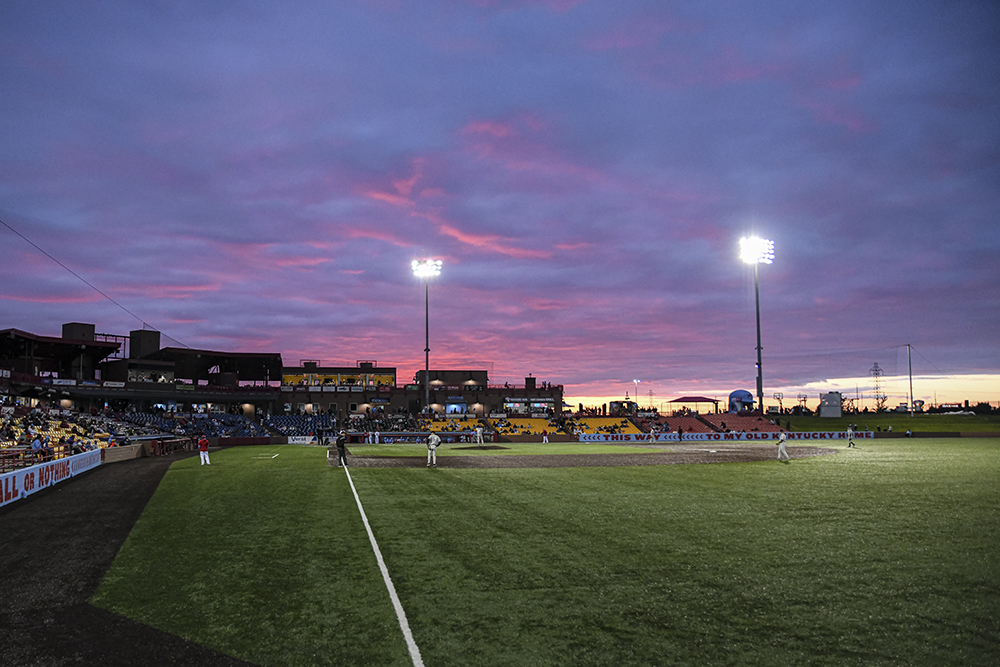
[715,437]
[26,481]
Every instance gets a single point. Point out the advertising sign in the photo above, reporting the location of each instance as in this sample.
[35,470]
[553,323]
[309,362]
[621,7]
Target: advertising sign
[714,437]
[22,483]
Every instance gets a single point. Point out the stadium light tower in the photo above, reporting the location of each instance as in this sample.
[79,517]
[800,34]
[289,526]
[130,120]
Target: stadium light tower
[425,269]
[757,251]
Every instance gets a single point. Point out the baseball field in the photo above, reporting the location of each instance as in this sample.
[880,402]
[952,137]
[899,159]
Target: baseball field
[888,554]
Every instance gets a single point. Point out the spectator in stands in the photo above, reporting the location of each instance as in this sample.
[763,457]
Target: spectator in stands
[203,450]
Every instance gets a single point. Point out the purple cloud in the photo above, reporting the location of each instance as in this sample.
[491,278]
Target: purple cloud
[260,180]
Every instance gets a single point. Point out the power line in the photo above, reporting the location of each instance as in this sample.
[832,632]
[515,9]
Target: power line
[82,279]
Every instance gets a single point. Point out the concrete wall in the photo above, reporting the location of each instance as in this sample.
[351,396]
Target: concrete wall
[115,454]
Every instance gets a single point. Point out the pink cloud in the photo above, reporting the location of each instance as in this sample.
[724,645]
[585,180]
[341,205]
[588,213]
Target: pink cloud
[730,65]
[299,262]
[494,243]
[558,6]
[830,113]
[389,198]
[167,291]
[404,186]
[378,235]
[641,31]
[483,241]
[51,299]
[495,128]
[521,144]
[573,246]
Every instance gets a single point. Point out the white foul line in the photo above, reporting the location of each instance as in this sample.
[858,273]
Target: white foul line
[400,614]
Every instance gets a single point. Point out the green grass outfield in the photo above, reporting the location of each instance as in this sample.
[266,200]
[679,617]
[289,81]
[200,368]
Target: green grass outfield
[884,555]
[899,421]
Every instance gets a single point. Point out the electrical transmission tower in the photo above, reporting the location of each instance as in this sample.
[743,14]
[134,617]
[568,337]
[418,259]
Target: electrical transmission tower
[875,373]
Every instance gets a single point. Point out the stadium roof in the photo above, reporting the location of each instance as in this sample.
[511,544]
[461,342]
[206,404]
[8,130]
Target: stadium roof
[17,345]
[694,399]
[199,364]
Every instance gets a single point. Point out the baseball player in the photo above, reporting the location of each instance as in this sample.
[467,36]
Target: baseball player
[782,454]
[433,440]
[203,450]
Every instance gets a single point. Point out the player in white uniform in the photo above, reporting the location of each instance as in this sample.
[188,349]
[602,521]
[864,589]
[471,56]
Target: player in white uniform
[782,454]
[433,440]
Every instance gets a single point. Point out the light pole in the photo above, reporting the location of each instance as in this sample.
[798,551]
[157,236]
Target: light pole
[636,392]
[757,251]
[427,269]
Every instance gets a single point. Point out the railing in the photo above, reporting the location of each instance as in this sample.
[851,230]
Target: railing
[163,386]
[14,458]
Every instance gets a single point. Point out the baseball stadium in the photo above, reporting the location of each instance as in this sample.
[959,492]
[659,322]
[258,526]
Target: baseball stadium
[543,535]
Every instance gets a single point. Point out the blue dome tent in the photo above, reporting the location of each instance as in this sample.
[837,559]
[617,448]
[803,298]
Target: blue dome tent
[740,400]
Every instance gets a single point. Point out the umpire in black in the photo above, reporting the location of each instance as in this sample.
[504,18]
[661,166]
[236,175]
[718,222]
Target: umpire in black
[342,448]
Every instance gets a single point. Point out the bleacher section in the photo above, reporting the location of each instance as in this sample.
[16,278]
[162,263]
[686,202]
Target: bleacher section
[450,424]
[59,437]
[521,426]
[214,425]
[690,424]
[299,425]
[739,423]
[606,425]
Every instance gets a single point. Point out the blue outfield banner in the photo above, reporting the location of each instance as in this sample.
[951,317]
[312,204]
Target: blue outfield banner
[714,437]
[22,483]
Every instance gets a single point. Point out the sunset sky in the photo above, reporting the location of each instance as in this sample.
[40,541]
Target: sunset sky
[257,176]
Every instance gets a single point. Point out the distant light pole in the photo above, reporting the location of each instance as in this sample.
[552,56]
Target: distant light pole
[757,251]
[637,392]
[426,269]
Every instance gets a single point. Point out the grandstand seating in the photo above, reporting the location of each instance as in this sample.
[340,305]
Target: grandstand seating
[54,431]
[737,423]
[87,431]
[521,426]
[690,424]
[450,424]
[214,425]
[606,425]
[300,425]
